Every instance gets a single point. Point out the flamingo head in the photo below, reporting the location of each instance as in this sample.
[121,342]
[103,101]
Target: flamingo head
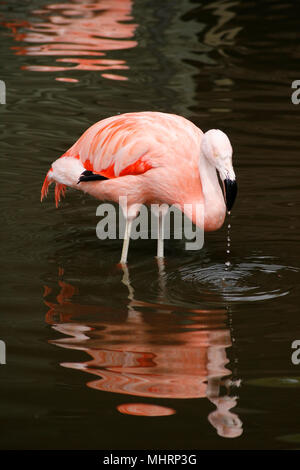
[216,148]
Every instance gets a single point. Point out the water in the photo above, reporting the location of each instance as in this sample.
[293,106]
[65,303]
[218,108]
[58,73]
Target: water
[228,240]
[202,348]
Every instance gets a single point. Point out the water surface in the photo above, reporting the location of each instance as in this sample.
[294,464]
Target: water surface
[189,354]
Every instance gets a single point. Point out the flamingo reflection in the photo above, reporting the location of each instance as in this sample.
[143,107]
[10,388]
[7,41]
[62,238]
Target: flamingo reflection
[151,350]
[80,31]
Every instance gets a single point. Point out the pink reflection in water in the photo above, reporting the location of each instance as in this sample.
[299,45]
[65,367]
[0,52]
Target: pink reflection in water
[154,356]
[64,79]
[144,409]
[112,76]
[78,29]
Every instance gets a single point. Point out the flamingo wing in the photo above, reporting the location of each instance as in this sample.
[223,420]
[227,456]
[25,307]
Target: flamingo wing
[117,146]
[128,144]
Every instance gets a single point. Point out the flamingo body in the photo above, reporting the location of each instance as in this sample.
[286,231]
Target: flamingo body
[149,157]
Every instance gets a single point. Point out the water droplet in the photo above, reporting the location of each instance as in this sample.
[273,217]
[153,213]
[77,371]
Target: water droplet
[227,263]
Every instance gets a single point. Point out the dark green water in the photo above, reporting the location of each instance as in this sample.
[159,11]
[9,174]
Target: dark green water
[92,351]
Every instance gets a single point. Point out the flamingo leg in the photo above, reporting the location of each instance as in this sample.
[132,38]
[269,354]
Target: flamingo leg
[160,237]
[126,241]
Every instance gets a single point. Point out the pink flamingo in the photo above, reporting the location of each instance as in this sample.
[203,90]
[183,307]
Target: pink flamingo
[151,158]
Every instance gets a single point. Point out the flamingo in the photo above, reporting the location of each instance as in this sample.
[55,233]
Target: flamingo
[151,158]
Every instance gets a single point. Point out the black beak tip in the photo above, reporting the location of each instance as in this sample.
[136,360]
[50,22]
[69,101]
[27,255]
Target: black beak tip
[230,193]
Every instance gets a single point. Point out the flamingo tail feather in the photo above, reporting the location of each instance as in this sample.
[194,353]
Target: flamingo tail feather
[46,184]
[60,189]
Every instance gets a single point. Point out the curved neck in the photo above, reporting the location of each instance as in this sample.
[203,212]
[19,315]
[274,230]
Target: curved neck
[214,205]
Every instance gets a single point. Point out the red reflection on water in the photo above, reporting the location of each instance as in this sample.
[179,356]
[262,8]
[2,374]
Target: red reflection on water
[145,409]
[78,28]
[63,79]
[156,355]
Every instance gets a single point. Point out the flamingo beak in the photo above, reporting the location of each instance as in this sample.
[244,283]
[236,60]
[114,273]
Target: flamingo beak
[230,190]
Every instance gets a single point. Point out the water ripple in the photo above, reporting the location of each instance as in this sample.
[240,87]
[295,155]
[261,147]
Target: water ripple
[251,280]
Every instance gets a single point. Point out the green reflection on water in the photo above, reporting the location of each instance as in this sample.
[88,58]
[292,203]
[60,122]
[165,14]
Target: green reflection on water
[278,382]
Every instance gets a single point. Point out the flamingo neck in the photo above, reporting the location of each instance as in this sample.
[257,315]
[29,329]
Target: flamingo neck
[214,205]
